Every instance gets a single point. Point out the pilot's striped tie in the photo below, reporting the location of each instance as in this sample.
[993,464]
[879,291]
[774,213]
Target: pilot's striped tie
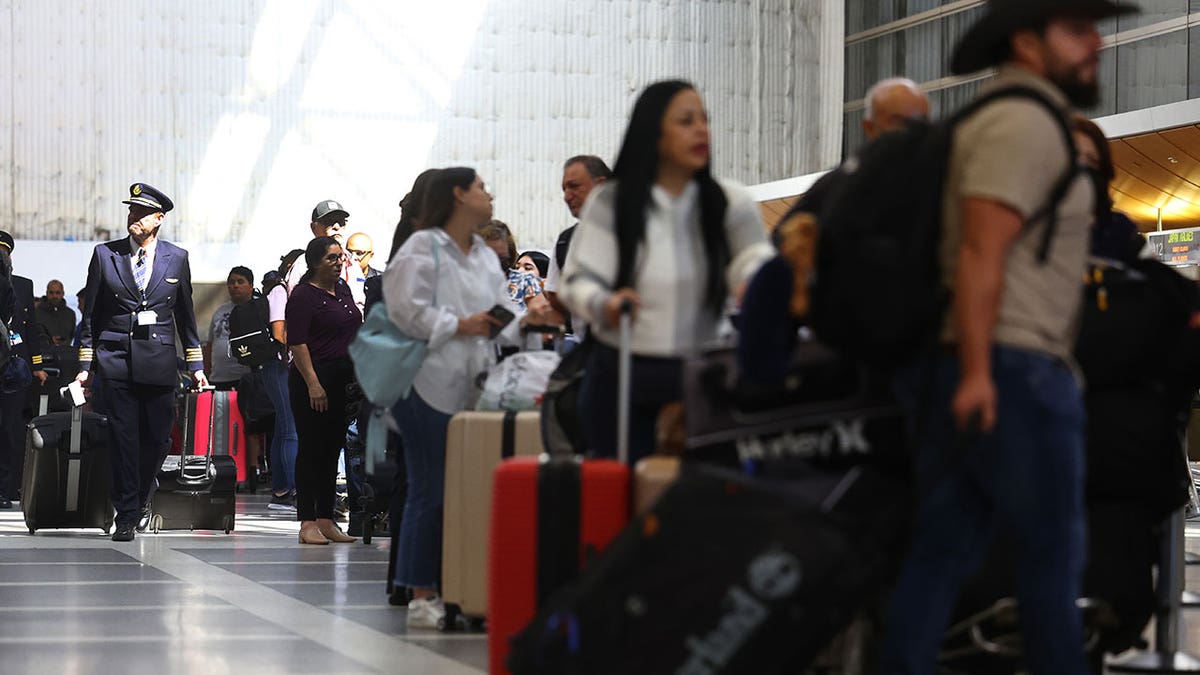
[139,271]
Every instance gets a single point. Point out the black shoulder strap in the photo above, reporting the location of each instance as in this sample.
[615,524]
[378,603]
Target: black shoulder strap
[1063,185]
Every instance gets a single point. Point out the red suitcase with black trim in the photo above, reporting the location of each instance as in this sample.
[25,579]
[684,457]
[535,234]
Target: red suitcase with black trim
[550,517]
[218,411]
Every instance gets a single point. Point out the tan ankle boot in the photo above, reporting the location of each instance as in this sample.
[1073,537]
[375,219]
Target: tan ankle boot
[310,533]
[333,533]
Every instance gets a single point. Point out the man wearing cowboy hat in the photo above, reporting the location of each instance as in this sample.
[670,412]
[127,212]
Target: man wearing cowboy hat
[1001,443]
[138,298]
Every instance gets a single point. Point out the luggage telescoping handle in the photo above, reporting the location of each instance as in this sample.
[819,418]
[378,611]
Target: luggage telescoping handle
[624,380]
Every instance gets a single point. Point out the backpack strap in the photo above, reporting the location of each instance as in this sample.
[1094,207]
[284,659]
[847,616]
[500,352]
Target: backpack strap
[1063,184]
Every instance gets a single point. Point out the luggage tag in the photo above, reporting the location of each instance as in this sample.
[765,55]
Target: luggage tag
[15,339]
[147,318]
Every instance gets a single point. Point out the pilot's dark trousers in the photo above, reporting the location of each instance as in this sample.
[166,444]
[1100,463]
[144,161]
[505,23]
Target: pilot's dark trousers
[139,430]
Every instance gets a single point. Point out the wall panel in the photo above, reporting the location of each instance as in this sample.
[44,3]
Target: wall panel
[247,113]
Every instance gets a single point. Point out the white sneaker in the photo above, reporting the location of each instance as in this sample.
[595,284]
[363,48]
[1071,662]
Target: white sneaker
[426,612]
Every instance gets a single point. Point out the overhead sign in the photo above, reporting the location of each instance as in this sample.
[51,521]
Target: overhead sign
[1177,247]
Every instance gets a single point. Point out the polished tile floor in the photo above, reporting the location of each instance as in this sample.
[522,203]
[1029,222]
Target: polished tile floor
[254,601]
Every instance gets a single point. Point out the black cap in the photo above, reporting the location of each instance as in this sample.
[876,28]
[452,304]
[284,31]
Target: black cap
[327,208]
[6,241]
[143,194]
[985,44]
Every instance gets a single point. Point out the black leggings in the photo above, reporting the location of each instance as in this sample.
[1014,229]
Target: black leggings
[321,435]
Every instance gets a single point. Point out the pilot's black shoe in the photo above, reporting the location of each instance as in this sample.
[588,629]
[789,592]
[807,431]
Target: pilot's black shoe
[124,532]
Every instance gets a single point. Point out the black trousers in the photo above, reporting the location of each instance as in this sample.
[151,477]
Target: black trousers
[139,431]
[656,382]
[12,442]
[321,435]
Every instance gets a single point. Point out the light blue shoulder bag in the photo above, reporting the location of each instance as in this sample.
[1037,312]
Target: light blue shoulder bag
[386,360]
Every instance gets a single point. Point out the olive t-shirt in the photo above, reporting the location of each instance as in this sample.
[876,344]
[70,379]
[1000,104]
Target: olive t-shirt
[1014,153]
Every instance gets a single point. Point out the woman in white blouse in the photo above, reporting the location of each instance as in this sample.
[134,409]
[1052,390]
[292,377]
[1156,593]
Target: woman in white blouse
[668,237]
[439,287]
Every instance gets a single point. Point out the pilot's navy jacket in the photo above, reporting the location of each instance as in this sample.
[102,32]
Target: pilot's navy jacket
[111,339]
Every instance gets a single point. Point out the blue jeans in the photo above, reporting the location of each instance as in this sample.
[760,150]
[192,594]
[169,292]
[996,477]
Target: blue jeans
[423,431]
[284,443]
[1027,474]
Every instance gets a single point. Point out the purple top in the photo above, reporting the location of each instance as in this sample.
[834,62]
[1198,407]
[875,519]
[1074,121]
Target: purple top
[325,323]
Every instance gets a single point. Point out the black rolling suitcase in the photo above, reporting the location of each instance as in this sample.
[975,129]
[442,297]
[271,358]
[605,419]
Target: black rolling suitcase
[195,492]
[67,478]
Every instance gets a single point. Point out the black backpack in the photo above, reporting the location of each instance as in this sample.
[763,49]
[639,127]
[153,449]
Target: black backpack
[562,245]
[878,294]
[250,339]
[286,261]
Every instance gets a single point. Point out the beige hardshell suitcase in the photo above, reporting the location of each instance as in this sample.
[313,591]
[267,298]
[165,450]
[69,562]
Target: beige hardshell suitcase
[476,443]
[651,477]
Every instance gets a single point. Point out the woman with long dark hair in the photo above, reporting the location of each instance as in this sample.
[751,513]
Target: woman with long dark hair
[410,210]
[322,319]
[670,239]
[439,287]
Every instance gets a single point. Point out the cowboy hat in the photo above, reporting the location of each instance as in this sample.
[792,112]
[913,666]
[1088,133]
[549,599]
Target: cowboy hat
[986,43]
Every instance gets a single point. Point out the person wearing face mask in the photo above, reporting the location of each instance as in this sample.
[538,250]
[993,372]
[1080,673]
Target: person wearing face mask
[138,299]
[670,239]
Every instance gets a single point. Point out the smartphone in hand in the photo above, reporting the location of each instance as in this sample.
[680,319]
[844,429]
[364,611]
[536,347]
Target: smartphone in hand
[503,315]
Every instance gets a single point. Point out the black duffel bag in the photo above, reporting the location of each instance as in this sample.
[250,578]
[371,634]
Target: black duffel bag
[726,574]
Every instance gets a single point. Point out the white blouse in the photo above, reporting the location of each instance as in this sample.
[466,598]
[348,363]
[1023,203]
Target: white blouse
[669,274]
[466,284]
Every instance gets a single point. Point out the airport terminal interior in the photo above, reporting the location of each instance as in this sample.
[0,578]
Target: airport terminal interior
[248,112]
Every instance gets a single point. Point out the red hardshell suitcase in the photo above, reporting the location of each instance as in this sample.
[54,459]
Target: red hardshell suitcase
[550,517]
[228,429]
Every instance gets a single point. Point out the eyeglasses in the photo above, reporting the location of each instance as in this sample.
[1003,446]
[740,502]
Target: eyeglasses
[358,254]
[333,257]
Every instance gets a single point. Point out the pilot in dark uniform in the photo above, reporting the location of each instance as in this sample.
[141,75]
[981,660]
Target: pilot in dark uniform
[27,346]
[138,298]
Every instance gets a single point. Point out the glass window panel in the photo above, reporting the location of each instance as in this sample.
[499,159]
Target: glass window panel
[1153,11]
[865,14]
[1152,72]
[923,57]
[1194,61]
[871,61]
[958,96]
[936,104]
[1107,76]
[852,133]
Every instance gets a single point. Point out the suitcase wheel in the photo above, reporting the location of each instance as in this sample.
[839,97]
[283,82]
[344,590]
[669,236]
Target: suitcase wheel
[449,622]
[227,524]
[368,527]
[156,523]
[32,530]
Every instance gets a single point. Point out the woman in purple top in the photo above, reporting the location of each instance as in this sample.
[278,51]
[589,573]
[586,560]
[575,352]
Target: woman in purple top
[321,319]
